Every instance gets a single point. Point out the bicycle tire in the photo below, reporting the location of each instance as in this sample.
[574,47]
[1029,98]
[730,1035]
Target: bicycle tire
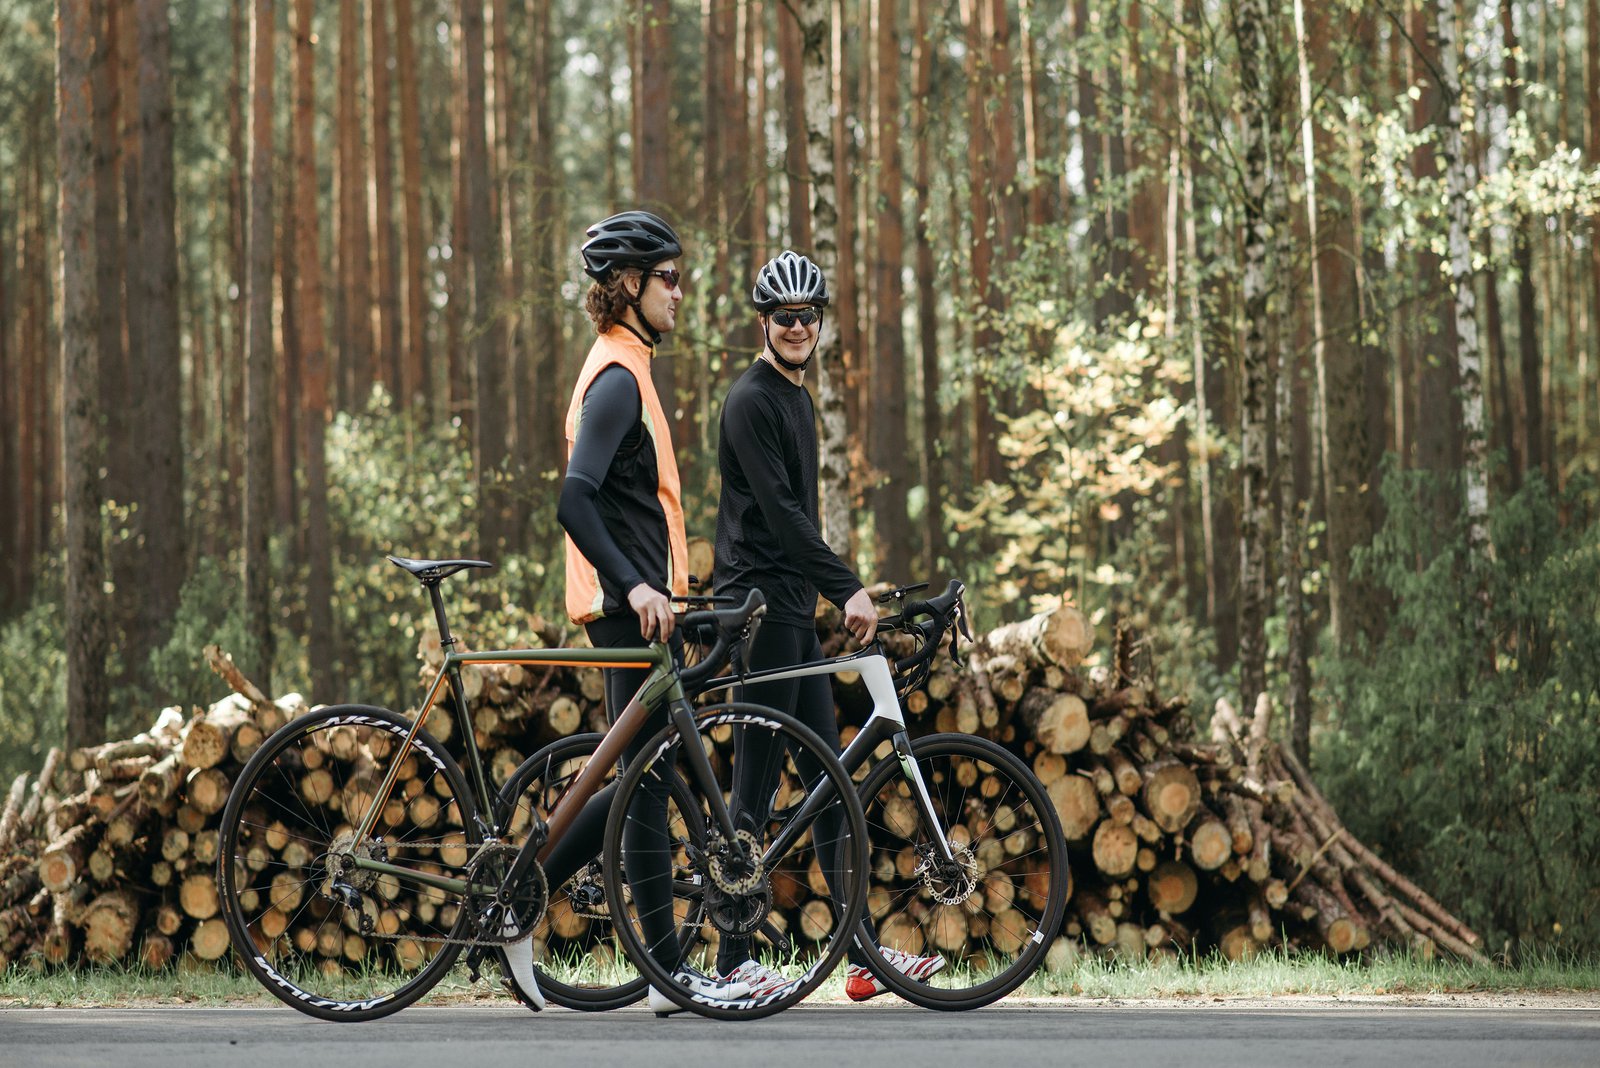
[547,770]
[694,886]
[1043,918]
[240,870]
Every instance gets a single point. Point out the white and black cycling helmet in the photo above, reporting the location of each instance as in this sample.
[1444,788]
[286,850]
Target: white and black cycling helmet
[789,278]
[628,239]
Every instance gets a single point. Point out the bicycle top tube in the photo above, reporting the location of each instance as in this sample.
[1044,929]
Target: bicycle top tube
[870,662]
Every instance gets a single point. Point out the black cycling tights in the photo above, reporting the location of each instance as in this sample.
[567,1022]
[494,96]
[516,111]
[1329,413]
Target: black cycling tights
[645,846]
[756,767]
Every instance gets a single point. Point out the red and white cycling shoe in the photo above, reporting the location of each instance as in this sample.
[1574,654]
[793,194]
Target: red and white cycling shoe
[860,984]
[761,980]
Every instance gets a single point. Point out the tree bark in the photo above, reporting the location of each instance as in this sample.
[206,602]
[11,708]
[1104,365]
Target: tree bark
[927,307]
[543,208]
[985,338]
[81,434]
[386,253]
[817,32]
[258,355]
[1256,383]
[355,251]
[159,453]
[653,183]
[1458,183]
[887,418]
[1530,440]
[791,58]
[494,505]
[314,359]
[415,384]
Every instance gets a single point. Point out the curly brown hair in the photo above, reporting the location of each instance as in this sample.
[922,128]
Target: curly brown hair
[607,302]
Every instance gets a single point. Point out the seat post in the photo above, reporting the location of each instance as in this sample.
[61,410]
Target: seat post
[446,639]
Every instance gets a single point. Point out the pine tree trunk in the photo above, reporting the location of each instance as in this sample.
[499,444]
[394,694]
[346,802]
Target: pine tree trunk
[1530,442]
[159,452]
[8,413]
[927,306]
[415,382]
[314,357]
[385,252]
[792,60]
[543,207]
[980,156]
[258,353]
[1591,66]
[653,178]
[83,444]
[886,419]
[355,252]
[833,475]
[494,506]
[122,563]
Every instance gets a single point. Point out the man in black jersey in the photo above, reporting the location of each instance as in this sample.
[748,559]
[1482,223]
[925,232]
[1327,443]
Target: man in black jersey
[768,539]
[626,553]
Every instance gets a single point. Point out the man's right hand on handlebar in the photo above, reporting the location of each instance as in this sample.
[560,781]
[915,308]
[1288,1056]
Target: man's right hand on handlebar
[654,611]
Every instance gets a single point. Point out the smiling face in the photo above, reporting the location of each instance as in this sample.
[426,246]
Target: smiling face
[796,341]
[658,300]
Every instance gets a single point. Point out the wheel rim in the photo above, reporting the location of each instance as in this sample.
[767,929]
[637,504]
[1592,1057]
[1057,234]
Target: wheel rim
[989,914]
[321,933]
[713,888]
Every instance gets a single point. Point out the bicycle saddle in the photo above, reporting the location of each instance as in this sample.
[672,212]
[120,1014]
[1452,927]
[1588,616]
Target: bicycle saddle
[429,571]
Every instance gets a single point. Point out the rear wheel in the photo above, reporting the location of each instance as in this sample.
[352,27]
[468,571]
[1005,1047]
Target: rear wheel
[579,960]
[334,940]
[991,911]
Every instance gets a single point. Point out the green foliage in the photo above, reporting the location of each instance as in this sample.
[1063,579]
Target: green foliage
[33,687]
[1480,782]
[1077,460]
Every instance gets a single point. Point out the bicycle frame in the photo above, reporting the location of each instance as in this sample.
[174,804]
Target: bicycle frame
[886,724]
[661,684]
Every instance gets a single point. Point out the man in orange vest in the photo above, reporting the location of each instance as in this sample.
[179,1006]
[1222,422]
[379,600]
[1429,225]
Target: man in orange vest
[626,548]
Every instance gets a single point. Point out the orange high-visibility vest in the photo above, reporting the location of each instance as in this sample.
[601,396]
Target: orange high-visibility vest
[585,599]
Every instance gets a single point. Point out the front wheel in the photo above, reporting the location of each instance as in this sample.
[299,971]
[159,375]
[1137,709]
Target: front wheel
[991,911]
[335,940]
[765,886]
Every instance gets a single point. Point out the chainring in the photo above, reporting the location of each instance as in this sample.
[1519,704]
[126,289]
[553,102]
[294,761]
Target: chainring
[528,903]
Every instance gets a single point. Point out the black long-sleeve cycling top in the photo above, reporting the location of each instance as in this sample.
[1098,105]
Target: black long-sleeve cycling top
[767,526]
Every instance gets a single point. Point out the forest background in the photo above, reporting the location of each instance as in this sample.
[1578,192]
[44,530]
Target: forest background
[1264,328]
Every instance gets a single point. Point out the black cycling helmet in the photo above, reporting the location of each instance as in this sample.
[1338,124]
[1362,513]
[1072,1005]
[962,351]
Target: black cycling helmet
[628,239]
[789,278]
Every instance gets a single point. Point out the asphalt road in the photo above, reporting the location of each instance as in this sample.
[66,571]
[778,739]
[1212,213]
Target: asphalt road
[816,1037]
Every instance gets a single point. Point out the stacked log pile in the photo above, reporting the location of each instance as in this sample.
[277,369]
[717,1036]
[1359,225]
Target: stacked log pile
[1179,842]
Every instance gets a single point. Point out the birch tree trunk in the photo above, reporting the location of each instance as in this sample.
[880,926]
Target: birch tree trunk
[1458,184]
[81,435]
[1255,389]
[258,351]
[834,468]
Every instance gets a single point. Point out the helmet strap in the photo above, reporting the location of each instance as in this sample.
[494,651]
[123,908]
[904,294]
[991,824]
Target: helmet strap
[638,311]
[776,355]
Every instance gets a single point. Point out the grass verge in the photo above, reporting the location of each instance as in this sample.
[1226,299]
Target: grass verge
[1268,975]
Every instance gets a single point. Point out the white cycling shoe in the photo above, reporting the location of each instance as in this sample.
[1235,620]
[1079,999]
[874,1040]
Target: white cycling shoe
[519,958]
[762,980]
[700,985]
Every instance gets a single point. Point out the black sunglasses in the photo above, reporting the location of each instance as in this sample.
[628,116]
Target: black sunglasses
[670,277]
[786,317]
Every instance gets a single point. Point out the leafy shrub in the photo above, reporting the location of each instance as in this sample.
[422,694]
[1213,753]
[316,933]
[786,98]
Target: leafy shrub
[1482,782]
